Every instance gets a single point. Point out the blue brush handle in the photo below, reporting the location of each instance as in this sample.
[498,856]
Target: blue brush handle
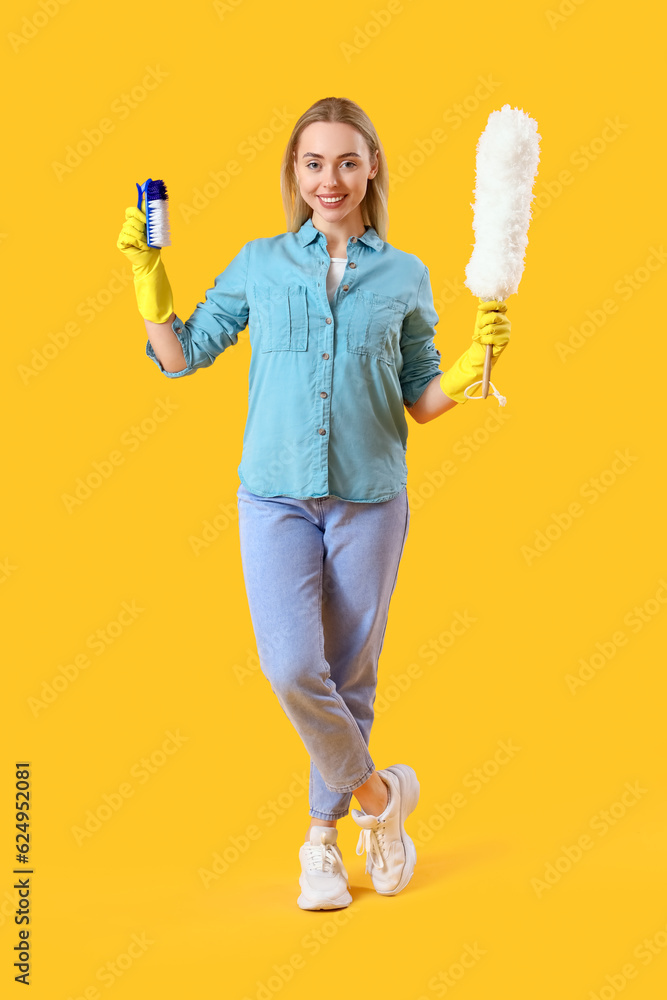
[142,190]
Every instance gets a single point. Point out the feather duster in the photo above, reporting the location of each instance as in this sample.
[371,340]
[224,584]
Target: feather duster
[508,152]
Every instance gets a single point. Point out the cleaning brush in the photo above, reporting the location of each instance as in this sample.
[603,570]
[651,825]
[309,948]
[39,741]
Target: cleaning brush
[157,212]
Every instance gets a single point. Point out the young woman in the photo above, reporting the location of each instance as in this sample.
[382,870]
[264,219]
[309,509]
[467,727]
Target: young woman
[341,325]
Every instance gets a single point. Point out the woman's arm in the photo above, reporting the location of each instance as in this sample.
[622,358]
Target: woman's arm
[491,327]
[166,344]
[431,403]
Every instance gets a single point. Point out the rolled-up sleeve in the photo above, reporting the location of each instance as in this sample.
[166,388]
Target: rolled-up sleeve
[421,358]
[216,323]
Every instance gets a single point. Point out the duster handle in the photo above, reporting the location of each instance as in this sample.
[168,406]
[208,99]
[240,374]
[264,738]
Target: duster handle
[486,374]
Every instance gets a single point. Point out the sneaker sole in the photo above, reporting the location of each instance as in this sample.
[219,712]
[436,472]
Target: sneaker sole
[324,904]
[409,786]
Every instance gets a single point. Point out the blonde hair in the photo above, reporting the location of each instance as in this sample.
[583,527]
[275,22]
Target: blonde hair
[374,205]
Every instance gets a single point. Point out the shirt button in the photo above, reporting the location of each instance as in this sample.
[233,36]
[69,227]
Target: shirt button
[354,239]
[345,287]
[328,319]
[321,431]
[352,264]
[323,395]
[326,357]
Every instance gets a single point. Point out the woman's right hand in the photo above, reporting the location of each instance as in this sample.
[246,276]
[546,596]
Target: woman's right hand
[132,242]
[151,285]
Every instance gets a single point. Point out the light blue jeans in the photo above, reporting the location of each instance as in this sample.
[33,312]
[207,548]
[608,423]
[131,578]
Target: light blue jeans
[319,574]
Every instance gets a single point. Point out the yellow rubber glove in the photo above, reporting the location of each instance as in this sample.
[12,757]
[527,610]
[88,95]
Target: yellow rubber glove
[151,284]
[491,327]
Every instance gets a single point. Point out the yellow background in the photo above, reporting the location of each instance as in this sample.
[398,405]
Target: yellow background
[185,663]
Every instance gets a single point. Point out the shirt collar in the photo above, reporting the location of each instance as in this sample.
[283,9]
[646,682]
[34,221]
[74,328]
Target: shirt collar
[309,232]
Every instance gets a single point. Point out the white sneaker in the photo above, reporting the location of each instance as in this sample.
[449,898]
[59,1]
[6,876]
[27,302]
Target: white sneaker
[391,854]
[323,879]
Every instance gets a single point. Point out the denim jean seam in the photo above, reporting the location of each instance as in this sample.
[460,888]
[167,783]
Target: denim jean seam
[398,566]
[346,710]
[355,784]
[320,814]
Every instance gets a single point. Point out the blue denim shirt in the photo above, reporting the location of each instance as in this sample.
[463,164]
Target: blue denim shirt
[327,380]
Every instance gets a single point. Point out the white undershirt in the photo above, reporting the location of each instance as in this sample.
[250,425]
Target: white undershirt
[334,275]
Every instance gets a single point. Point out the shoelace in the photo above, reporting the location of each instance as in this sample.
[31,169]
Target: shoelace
[322,858]
[372,841]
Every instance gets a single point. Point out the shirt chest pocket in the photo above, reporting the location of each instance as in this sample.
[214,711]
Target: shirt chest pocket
[281,317]
[374,327]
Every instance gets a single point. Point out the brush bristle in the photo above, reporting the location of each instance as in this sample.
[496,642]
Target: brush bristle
[157,221]
[156,191]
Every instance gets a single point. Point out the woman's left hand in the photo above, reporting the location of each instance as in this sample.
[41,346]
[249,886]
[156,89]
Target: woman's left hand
[492,326]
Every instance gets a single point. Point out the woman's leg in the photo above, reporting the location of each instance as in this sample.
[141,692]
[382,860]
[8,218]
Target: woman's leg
[363,546]
[283,553]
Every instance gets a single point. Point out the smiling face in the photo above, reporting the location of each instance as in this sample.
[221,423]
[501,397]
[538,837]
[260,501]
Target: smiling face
[333,165]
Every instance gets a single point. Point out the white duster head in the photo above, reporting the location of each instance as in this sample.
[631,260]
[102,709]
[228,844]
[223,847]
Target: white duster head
[508,152]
